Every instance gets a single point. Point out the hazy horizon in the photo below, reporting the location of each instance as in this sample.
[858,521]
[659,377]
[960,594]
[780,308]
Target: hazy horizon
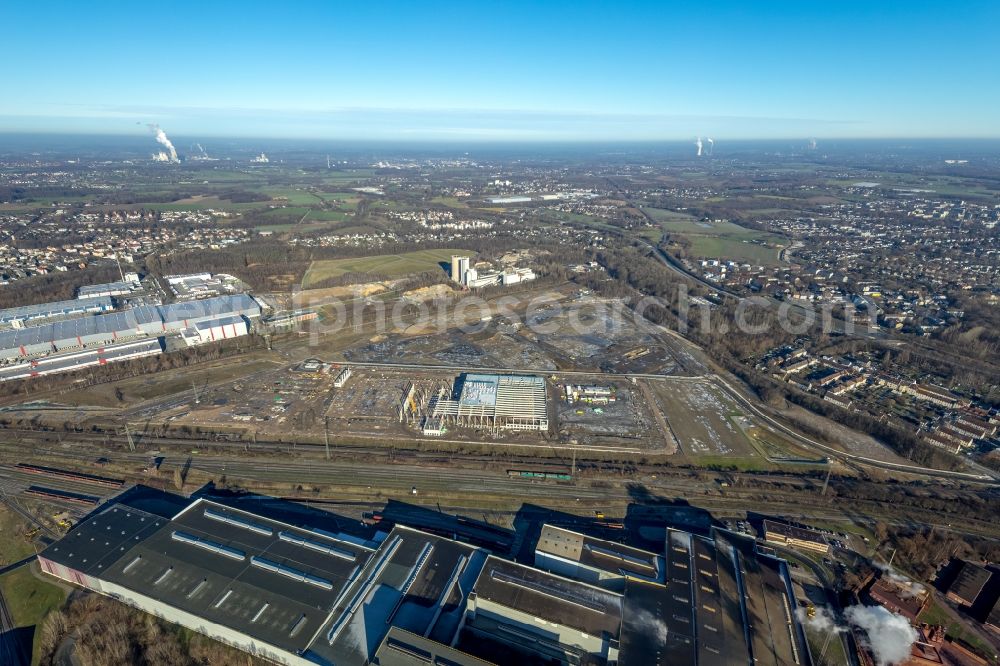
[638,71]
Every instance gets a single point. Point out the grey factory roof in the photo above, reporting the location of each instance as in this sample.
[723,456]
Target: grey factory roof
[414,581]
[559,600]
[105,287]
[80,359]
[793,532]
[645,637]
[257,576]
[718,603]
[129,321]
[993,619]
[607,556]
[722,603]
[221,321]
[56,308]
[404,648]
[969,582]
[776,636]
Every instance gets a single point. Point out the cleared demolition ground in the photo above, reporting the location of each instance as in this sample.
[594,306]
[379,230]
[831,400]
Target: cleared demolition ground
[317,401]
[711,428]
[590,333]
[575,333]
[486,349]
[602,412]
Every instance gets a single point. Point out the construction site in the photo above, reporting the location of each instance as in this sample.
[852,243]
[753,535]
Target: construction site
[494,403]
[317,401]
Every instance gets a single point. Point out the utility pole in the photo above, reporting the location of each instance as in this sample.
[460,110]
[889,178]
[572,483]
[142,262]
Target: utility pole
[573,468]
[326,435]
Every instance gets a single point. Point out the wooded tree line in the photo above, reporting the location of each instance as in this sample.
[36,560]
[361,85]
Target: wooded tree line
[921,550]
[56,286]
[105,632]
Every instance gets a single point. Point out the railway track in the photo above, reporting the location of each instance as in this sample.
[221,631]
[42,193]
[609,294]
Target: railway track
[366,483]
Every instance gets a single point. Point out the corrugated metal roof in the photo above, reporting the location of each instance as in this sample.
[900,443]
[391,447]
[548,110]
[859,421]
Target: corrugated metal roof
[56,308]
[128,322]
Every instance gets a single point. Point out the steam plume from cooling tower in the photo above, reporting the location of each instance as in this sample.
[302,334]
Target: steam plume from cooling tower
[697,144]
[161,138]
[711,146]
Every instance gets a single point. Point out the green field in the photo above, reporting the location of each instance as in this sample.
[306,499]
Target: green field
[328,216]
[945,185]
[577,218]
[450,202]
[290,211]
[276,228]
[389,265]
[30,599]
[205,203]
[721,240]
[338,178]
[735,250]
[294,196]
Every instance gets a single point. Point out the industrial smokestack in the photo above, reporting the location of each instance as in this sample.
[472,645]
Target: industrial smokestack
[697,143]
[711,146]
[161,138]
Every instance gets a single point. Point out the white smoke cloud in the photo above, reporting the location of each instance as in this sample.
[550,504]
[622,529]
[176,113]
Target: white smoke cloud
[905,586]
[698,144]
[654,625]
[822,621]
[711,146]
[890,636]
[161,138]
[812,144]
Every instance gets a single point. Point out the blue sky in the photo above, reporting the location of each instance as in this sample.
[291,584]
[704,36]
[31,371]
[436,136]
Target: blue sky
[515,70]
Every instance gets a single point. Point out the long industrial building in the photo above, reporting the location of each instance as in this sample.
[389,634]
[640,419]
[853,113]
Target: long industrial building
[302,596]
[69,361]
[113,327]
[289,594]
[726,604]
[126,286]
[552,616]
[494,402]
[22,316]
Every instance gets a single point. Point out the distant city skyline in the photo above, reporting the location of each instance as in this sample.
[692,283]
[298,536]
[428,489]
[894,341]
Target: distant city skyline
[521,72]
